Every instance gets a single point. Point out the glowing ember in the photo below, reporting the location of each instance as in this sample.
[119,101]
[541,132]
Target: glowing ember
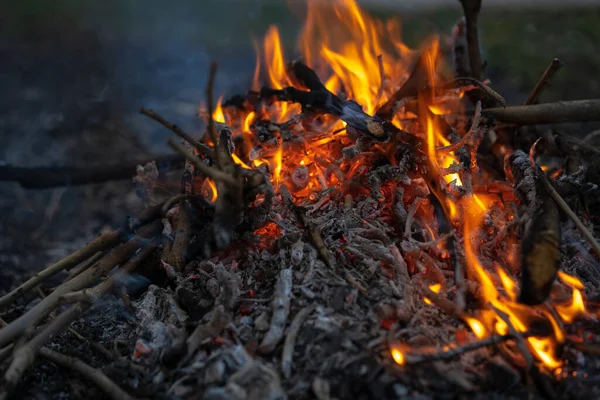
[397,356]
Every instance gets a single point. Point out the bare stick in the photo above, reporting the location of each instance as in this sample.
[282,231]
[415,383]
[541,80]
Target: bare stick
[212,131]
[210,172]
[467,137]
[521,344]
[101,243]
[544,81]
[281,310]
[548,113]
[471,10]
[412,358]
[93,374]
[44,307]
[207,151]
[91,295]
[567,210]
[290,340]
[73,272]
[381,79]
[48,177]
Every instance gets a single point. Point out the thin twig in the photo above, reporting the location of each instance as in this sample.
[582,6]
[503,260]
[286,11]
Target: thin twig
[381,79]
[101,243]
[204,169]
[413,358]
[544,81]
[467,137]
[93,374]
[290,340]
[411,214]
[521,343]
[567,210]
[212,132]
[202,148]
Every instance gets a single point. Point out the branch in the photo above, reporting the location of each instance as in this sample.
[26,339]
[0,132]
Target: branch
[548,113]
[544,81]
[204,169]
[202,148]
[48,177]
[471,10]
[323,100]
[450,354]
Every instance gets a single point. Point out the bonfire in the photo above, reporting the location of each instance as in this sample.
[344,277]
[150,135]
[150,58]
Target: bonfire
[367,221]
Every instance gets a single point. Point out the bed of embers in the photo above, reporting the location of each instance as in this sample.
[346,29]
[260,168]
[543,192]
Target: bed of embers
[361,224]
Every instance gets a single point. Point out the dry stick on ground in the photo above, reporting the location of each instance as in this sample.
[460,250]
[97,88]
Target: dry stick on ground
[471,10]
[101,243]
[290,340]
[94,375]
[281,310]
[73,272]
[91,295]
[548,113]
[44,307]
[567,210]
[544,81]
[48,177]
[24,356]
[202,148]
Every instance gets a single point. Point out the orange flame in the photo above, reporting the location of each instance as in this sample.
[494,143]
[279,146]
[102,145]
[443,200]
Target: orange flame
[218,115]
[209,187]
[398,356]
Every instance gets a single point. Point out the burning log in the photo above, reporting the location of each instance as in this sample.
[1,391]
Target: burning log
[321,99]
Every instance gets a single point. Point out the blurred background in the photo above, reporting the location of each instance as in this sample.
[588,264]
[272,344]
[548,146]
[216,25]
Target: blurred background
[73,74]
